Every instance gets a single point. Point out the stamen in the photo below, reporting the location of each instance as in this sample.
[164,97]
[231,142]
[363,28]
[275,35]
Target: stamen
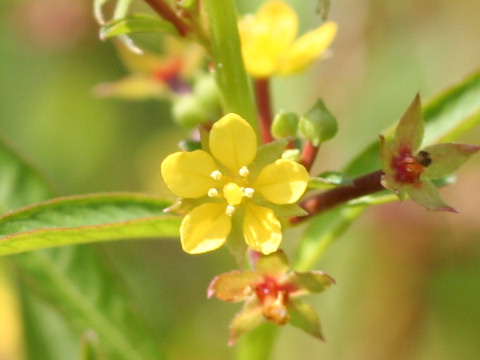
[248,192]
[212,192]
[230,210]
[216,175]
[243,171]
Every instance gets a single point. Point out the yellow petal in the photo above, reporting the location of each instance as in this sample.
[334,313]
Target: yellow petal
[233,142]
[261,228]
[266,36]
[205,228]
[282,182]
[307,48]
[187,174]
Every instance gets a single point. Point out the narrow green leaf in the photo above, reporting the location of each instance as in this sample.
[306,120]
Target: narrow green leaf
[74,285]
[139,23]
[446,115]
[20,183]
[85,219]
[120,11]
[322,232]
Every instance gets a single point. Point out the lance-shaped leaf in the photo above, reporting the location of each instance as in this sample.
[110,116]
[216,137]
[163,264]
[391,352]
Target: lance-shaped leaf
[85,219]
[139,23]
[67,290]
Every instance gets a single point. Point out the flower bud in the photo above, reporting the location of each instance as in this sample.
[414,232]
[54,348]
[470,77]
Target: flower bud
[318,124]
[188,111]
[285,124]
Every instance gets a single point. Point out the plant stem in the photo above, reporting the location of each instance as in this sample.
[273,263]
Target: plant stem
[230,71]
[363,185]
[309,154]
[167,13]
[262,95]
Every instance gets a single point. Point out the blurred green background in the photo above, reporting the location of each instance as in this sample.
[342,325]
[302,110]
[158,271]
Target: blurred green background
[407,279]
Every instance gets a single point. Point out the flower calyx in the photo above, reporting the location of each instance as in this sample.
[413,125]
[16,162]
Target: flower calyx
[410,170]
[270,293]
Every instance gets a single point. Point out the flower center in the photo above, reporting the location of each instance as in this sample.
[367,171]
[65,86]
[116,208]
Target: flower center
[233,193]
[409,168]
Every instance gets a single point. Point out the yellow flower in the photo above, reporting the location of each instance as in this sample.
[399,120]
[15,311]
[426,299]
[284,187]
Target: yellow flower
[268,41]
[226,189]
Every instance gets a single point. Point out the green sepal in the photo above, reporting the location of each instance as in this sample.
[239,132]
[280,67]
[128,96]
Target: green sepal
[233,286]
[409,131]
[446,158]
[190,145]
[328,180]
[303,316]
[138,23]
[307,283]
[428,196]
[287,210]
[285,124]
[236,241]
[274,264]
[267,154]
[246,320]
[318,124]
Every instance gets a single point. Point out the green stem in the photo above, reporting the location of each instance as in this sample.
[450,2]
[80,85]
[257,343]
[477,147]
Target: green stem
[258,343]
[264,106]
[229,68]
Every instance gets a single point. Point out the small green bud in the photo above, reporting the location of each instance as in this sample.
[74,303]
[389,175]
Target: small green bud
[206,91]
[188,111]
[284,124]
[318,124]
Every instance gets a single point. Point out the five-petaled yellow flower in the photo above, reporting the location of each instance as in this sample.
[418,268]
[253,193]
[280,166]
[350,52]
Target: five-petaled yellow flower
[226,190]
[268,41]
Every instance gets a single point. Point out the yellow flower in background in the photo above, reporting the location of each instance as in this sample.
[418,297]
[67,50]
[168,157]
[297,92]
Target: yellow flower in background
[226,189]
[268,41]
[155,75]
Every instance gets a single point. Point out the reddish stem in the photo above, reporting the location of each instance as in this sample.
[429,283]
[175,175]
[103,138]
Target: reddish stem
[167,13]
[262,94]
[309,154]
[364,185]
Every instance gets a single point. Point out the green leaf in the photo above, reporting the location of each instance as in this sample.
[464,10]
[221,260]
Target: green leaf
[139,23]
[120,11]
[85,219]
[20,183]
[323,230]
[447,115]
[91,349]
[74,285]
[329,180]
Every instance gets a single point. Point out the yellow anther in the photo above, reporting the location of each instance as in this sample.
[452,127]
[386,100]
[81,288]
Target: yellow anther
[216,175]
[212,192]
[243,171]
[230,209]
[248,192]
